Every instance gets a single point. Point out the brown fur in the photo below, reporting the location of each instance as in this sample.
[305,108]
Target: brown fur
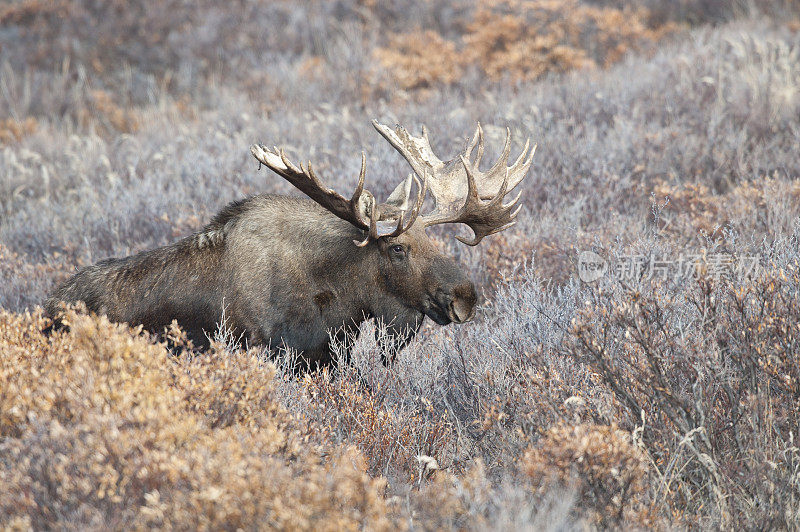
[286,272]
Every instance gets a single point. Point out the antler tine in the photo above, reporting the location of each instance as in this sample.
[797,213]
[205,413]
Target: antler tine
[371,233]
[522,154]
[477,139]
[313,176]
[480,146]
[357,210]
[360,187]
[289,164]
[503,160]
[520,167]
[472,188]
[424,132]
[422,188]
[519,207]
[501,194]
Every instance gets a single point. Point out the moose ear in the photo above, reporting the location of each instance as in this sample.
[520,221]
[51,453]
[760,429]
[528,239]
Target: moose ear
[365,206]
[399,197]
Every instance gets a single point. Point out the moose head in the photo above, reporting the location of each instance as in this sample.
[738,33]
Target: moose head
[410,265]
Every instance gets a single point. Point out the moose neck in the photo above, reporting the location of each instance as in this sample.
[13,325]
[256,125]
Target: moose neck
[346,277]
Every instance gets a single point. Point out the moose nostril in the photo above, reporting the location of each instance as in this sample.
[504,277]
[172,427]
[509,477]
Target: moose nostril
[461,311]
[462,304]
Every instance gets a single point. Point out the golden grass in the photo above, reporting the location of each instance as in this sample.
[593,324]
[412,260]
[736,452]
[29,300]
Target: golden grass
[520,40]
[13,130]
[421,59]
[102,427]
[601,463]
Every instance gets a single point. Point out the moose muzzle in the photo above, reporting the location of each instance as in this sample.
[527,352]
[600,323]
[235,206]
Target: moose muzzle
[462,305]
[454,305]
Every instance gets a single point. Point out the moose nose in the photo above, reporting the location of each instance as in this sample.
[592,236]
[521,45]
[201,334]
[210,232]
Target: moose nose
[462,305]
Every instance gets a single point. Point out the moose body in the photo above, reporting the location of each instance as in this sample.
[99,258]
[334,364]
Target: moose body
[285,271]
[277,275]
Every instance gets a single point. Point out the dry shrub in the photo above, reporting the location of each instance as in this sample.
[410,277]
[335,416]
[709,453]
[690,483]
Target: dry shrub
[312,67]
[501,257]
[13,130]
[697,12]
[108,114]
[600,463]
[26,11]
[503,41]
[694,208]
[112,31]
[450,502]
[709,375]
[387,435]
[104,429]
[525,39]
[505,254]
[421,59]
[522,40]
[31,275]
[236,390]
[759,198]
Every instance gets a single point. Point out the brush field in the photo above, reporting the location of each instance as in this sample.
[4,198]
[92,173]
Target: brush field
[665,394]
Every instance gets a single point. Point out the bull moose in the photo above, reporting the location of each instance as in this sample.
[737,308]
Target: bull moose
[291,271]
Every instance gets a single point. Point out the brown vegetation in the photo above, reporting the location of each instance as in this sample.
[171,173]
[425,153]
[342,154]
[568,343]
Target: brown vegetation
[722,403]
[102,428]
[602,465]
[12,129]
[651,401]
[520,40]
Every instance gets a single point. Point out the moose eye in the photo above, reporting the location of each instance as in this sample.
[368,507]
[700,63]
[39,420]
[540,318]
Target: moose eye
[398,250]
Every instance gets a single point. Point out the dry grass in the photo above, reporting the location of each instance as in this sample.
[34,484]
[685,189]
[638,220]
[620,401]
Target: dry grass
[665,129]
[520,40]
[103,429]
[603,466]
[12,130]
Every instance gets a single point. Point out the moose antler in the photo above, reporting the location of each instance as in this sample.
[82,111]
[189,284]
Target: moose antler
[462,193]
[361,210]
